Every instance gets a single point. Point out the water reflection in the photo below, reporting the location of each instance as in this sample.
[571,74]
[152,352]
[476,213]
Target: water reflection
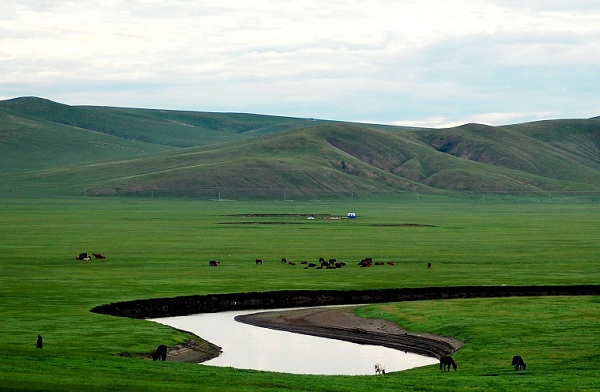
[248,347]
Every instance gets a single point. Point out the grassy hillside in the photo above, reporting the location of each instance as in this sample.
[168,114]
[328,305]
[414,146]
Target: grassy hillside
[110,151]
[165,127]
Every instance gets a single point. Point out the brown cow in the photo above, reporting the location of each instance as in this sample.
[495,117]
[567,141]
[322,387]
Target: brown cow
[445,362]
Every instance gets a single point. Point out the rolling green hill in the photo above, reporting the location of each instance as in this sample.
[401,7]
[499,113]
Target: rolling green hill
[71,150]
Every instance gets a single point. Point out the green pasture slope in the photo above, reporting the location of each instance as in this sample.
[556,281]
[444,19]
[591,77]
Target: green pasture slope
[161,248]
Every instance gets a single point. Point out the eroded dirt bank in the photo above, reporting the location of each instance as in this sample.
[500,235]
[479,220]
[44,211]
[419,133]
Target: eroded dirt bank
[341,324]
[184,305]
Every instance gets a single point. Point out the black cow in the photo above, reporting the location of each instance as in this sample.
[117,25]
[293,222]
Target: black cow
[445,362]
[258,261]
[39,343]
[214,263]
[161,352]
[518,363]
[82,256]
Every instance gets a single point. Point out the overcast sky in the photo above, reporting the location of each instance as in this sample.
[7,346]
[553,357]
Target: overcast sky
[412,62]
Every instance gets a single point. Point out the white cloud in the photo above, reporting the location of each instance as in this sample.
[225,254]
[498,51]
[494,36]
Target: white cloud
[347,60]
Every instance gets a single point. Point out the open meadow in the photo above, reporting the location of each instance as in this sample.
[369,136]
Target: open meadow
[161,248]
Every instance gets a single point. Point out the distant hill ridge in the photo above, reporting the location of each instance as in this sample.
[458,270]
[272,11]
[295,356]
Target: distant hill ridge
[110,151]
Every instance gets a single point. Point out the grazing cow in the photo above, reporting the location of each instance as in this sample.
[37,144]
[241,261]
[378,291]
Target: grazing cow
[429,265]
[518,363]
[39,344]
[365,263]
[283,260]
[258,261]
[391,263]
[311,265]
[214,263]
[379,369]
[161,352]
[98,256]
[82,256]
[291,263]
[445,362]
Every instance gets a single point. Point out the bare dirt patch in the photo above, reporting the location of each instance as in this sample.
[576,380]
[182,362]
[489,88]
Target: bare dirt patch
[341,324]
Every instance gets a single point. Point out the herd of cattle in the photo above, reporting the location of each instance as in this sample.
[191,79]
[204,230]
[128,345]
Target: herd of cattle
[322,263]
[85,257]
[446,361]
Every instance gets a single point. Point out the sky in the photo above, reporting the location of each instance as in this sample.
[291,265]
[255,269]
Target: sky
[431,63]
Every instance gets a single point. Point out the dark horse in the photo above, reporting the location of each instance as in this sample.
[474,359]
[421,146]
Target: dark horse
[161,352]
[445,362]
[518,363]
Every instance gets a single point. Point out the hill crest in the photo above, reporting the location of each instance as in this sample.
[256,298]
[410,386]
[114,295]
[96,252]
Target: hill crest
[112,151]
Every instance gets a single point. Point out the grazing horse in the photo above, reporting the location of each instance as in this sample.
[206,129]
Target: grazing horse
[445,362]
[258,261]
[518,363]
[39,344]
[161,352]
[379,369]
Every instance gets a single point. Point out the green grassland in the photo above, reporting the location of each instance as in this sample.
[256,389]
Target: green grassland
[161,248]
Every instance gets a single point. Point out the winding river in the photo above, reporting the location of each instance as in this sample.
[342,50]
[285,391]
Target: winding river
[249,347]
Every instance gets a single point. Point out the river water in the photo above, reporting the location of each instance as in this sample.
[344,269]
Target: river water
[249,347]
